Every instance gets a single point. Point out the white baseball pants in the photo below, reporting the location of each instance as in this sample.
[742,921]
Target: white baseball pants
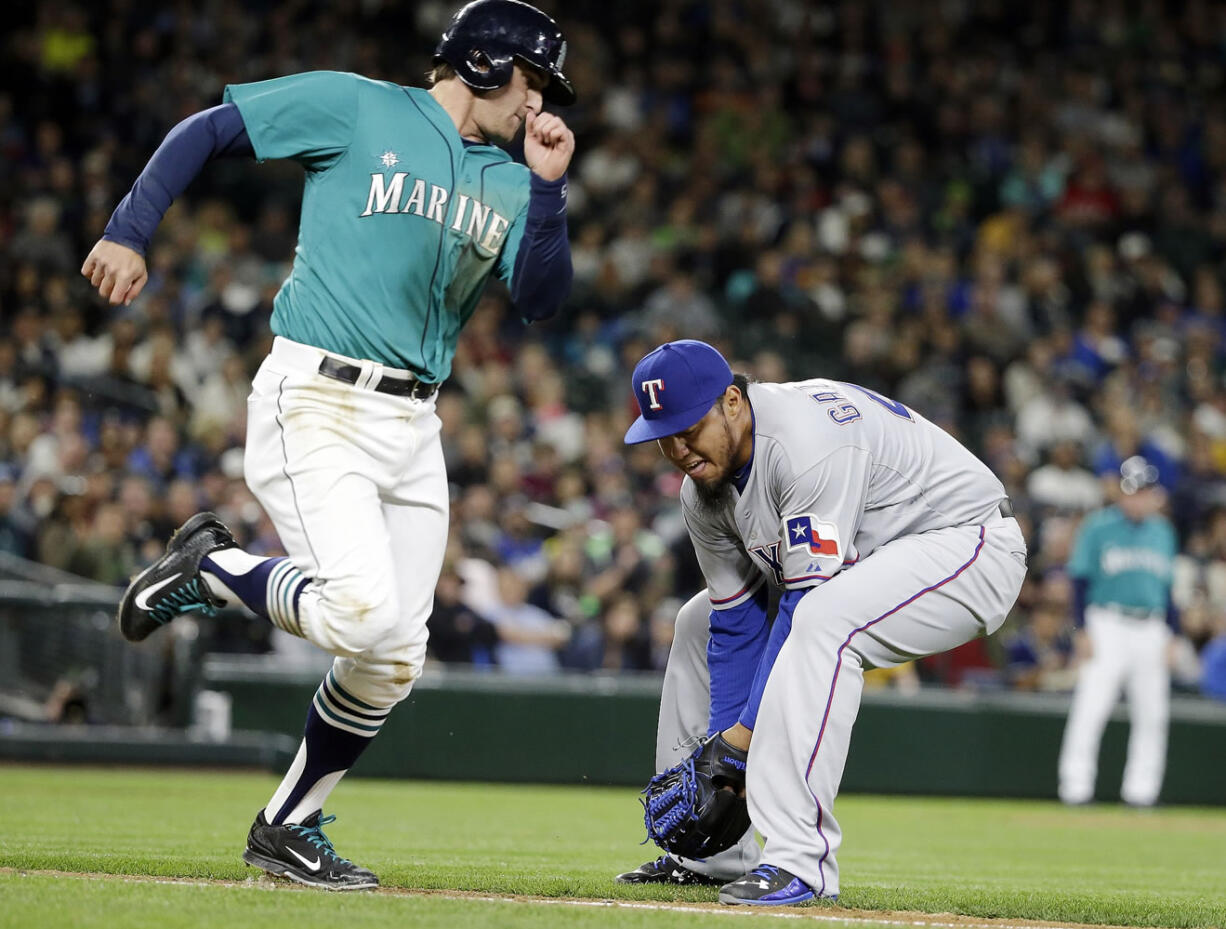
[355,483]
[685,709]
[1128,654]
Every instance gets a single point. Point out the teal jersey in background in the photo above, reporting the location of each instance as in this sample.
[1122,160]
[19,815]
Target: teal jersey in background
[1126,563]
[402,222]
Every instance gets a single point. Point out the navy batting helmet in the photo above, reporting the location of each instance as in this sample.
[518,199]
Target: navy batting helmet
[1136,474]
[486,36]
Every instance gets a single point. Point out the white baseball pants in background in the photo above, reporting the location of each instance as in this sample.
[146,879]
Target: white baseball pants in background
[1129,654]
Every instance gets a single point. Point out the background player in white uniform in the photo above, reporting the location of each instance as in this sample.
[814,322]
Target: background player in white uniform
[890,542]
[1122,568]
[408,210]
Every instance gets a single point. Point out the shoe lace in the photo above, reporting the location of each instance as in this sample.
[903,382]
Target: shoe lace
[190,598]
[315,835]
[766,871]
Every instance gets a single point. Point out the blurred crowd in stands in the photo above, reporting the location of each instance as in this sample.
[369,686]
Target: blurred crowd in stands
[1011,217]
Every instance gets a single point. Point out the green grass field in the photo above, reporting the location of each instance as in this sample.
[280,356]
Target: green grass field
[445,850]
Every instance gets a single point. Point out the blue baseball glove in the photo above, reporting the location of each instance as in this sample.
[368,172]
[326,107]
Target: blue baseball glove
[696,808]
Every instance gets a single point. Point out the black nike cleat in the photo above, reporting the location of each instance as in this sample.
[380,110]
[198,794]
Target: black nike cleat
[301,852]
[665,870]
[767,885]
[172,584]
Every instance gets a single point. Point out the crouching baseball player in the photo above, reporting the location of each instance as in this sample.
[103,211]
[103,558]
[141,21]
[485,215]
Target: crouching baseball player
[408,210]
[889,541]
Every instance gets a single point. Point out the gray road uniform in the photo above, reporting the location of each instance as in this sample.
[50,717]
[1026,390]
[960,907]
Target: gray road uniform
[890,542]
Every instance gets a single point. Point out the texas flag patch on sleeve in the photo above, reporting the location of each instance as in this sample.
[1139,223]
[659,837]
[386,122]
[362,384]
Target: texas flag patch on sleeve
[818,537]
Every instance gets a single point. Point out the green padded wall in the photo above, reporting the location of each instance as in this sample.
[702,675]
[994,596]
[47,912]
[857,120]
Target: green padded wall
[593,729]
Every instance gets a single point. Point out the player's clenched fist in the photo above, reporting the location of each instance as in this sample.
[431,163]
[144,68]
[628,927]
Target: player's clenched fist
[117,271]
[548,145]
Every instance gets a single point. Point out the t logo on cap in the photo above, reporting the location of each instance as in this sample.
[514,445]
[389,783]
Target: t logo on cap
[650,387]
[696,374]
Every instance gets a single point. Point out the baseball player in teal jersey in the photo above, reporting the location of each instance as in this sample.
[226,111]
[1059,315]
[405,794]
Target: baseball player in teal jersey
[1122,569]
[888,541]
[408,210]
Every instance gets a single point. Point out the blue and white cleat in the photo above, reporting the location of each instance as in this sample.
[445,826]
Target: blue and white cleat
[767,885]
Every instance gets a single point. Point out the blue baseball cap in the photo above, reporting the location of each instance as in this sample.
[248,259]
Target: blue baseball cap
[675,385]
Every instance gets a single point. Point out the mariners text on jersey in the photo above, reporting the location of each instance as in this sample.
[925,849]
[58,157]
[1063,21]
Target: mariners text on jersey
[1116,560]
[481,223]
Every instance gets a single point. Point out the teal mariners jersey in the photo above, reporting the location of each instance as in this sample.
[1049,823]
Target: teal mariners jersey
[1125,563]
[402,221]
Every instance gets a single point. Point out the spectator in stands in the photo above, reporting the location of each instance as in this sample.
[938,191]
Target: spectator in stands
[104,553]
[16,527]
[1039,654]
[458,633]
[1018,261]
[626,639]
[1213,662]
[1062,484]
[528,637]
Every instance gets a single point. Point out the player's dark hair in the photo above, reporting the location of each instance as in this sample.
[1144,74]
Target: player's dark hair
[741,382]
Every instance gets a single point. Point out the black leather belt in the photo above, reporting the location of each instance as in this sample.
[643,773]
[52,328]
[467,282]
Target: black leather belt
[1006,507]
[396,386]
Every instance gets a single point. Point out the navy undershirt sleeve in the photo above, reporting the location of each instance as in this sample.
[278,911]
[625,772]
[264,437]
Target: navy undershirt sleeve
[779,634]
[542,275]
[1080,587]
[203,136]
[734,651]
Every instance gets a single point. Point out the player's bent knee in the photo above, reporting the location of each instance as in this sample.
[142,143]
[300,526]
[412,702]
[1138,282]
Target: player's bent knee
[357,624]
[384,680]
[694,621]
[827,633]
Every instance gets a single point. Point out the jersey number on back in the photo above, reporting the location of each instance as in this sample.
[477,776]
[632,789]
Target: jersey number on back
[841,412]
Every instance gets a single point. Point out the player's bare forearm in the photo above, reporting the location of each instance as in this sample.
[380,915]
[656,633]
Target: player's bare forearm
[117,271]
[738,736]
[548,145]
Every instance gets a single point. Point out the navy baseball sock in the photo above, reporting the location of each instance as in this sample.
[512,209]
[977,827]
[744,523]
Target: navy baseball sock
[269,587]
[338,729]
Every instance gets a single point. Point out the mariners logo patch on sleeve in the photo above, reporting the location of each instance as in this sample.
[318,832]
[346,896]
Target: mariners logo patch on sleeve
[818,537]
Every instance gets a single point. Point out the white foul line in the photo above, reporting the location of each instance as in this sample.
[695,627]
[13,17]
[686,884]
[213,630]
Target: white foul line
[749,910]
[846,917]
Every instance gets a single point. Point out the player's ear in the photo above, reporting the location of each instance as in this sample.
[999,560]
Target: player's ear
[733,398]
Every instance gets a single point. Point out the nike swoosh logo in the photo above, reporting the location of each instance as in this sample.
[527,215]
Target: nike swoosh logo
[313,865]
[142,601]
